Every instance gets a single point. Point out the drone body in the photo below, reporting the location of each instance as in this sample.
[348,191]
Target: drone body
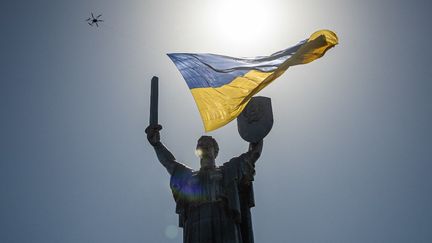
[94,20]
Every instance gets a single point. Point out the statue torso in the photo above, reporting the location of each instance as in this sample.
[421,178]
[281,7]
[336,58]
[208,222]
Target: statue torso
[204,186]
[210,202]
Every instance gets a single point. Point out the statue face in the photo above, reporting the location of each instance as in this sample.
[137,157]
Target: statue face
[207,150]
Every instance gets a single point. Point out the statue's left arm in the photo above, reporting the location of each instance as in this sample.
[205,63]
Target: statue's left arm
[254,151]
[248,161]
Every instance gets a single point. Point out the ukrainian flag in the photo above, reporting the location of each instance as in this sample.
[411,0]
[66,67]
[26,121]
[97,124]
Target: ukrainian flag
[222,86]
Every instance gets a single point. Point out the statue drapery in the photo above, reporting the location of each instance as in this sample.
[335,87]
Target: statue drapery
[214,204]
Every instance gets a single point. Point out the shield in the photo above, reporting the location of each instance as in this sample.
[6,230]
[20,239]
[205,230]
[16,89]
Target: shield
[256,120]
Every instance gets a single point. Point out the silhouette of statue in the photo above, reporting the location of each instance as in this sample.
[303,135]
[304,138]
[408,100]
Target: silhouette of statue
[213,203]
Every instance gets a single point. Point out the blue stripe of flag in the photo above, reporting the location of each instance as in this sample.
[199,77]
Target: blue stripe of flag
[210,70]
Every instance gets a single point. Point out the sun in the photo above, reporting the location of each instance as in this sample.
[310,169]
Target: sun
[242,21]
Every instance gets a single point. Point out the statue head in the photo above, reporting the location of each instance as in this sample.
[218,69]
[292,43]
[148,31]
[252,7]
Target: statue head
[207,149]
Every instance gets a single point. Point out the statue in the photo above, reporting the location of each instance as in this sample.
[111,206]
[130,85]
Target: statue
[213,203]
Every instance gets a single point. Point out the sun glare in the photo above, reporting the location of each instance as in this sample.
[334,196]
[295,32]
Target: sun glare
[240,21]
[198,153]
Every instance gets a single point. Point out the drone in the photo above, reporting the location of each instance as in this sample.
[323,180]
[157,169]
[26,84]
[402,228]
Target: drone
[94,20]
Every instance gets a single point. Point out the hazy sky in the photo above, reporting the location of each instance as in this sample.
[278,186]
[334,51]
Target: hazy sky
[348,159]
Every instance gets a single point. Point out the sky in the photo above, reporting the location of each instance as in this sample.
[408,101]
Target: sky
[348,158]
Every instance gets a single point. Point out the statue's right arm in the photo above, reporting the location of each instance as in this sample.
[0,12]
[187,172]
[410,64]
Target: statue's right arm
[166,158]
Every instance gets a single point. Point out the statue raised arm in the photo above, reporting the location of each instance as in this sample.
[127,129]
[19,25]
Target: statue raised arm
[166,158]
[255,150]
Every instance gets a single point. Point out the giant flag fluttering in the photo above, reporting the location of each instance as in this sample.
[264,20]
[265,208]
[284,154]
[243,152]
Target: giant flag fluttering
[222,86]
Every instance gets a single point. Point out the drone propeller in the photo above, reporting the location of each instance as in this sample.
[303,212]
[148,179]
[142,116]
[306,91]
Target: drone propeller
[99,16]
[100,20]
[96,24]
[90,24]
[88,19]
[92,15]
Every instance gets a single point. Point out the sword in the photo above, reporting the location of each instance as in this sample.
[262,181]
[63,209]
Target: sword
[154,101]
